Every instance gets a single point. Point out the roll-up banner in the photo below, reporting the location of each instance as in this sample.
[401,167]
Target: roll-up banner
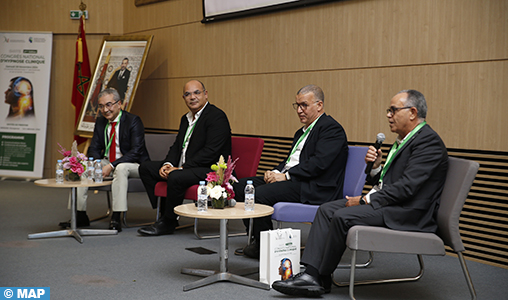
[25,71]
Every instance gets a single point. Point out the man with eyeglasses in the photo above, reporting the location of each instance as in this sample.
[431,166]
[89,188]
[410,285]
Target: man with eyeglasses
[405,196]
[119,141]
[204,135]
[313,171]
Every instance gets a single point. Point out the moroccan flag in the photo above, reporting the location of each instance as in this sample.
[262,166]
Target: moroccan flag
[82,75]
[94,101]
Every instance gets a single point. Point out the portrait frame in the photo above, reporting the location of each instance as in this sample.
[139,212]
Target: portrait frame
[114,52]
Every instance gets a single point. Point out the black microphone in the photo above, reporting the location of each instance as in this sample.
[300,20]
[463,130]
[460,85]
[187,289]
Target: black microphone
[380,138]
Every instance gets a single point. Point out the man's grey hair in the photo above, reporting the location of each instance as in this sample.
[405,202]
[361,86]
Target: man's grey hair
[314,89]
[417,100]
[110,91]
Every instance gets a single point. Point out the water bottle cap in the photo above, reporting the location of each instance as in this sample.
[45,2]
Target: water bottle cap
[90,158]
[59,160]
[201,183]
[98,160]
[249,181]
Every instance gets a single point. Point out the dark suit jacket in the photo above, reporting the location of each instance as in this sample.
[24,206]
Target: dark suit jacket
[120,84]
[413,183]
[210,139]
[132,139]
[322,162]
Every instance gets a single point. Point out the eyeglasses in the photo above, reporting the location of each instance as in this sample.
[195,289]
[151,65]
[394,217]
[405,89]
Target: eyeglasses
[392,110]
[195,93]
[303,105]
[108,105]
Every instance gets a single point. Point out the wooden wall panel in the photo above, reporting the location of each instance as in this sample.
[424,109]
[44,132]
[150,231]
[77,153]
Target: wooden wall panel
[340,35]
[465,100]
[54,15]
[161,14]
[360,51]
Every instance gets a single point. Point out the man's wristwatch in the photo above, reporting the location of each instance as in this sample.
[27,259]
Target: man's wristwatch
[362,202]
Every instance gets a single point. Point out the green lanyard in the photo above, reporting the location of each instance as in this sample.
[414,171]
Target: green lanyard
[395,148]
[305,133]
[108,144]
[188,134]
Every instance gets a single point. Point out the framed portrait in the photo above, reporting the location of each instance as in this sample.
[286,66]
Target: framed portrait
[119,66]
[145,2]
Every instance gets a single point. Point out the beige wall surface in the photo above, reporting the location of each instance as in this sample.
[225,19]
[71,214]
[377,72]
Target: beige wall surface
[105,18]
[361,52]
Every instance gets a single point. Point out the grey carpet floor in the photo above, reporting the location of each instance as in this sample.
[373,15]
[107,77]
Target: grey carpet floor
[129,266]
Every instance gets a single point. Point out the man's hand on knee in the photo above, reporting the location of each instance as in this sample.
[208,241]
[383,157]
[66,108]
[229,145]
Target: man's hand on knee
[166,169]
[271,177]
[106,170]
[353,201]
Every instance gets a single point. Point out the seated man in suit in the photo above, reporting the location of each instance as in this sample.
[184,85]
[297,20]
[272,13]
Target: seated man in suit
[313,171]
[204,135]
[119,140]
[405,196]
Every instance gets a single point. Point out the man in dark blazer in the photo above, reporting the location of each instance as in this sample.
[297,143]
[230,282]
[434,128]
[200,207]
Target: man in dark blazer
[203,136]
[123,133]
[405,197]
[120,79]
[313,171]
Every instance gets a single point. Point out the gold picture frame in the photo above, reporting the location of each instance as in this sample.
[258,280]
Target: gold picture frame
[115,51]
[145,2]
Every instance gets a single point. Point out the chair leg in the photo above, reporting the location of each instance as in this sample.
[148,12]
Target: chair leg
[124,219]
[364,265]
[403,279]
[158,209]
[352,276]
[108,212]
[466,274]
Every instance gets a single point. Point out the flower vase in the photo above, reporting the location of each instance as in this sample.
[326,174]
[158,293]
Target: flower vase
[71,176]
[218,203]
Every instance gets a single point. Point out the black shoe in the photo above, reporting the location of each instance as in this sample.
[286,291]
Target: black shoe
[81,220]
[159,228]
[302,284]
[251,250]
[115,225]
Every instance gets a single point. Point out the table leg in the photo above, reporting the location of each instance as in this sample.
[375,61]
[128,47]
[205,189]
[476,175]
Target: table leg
[73,231]
[223,275]
[223,267]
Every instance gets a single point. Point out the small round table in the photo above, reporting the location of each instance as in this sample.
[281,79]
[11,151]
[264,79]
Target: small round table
[73,231]
[228,213]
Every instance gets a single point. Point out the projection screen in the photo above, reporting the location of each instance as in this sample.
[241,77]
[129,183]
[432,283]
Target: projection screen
[217,10]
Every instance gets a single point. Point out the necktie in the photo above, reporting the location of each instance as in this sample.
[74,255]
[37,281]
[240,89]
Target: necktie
[112,149]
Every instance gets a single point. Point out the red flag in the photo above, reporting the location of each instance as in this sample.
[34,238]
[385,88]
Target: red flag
[82,75]
[94,101]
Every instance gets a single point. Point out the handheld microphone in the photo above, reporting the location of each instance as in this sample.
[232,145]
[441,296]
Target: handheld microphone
[380,138]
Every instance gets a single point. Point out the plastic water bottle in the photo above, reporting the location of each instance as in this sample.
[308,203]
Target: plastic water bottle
[90,169]
[98,171]
[59,172]
[249,196]
[202,196]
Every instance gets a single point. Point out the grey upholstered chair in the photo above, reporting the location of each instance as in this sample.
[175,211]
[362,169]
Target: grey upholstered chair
[460,177]
[157,146]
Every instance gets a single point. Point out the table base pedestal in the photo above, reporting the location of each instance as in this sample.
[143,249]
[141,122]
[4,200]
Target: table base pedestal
[76,233]
[73,231]
[213,277]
